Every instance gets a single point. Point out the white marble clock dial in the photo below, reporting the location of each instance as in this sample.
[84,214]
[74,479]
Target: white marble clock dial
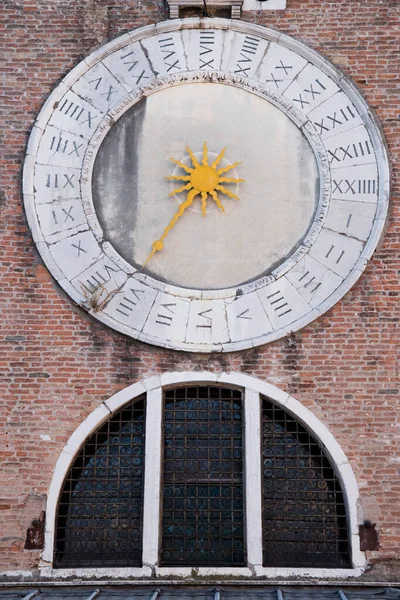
[243,253]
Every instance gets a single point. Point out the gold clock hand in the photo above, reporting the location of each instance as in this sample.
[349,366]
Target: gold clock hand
[158,244]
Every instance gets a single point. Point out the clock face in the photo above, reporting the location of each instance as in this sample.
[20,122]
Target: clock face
[277,183]
[206,185]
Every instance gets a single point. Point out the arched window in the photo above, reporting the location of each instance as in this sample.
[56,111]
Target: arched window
[304,515]
[99,519]
[223,476]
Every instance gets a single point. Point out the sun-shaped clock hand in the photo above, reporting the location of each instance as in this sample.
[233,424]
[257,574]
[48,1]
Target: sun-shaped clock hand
[202,179]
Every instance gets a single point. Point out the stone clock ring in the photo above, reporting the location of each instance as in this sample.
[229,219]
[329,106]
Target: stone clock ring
[310,213]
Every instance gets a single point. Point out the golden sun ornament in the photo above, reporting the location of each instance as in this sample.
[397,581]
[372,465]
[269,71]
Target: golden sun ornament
[202,179]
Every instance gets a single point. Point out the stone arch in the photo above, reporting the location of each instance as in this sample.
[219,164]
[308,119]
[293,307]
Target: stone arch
[253,388]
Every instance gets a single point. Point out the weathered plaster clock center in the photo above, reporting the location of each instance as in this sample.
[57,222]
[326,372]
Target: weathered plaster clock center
[216,250]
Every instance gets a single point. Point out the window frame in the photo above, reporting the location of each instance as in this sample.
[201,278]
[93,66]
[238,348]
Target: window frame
[187,388]
[252,390]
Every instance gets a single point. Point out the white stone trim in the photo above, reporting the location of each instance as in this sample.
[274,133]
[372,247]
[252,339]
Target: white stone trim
[252,388]
[252,424]
[152,477]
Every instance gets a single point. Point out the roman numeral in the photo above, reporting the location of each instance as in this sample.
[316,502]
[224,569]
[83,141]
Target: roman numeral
[337,118]
[351,151]
[141,76]
[284,67]
[53,181]
[279,304]
[204,315]
[167,46]
[75,111]
[65,146]
[206,46]
[357,186]
[62,215]
[366,186]
[249,48]
[301,101]
[111,90]
[165,318]
[132,64]
[274,80]
[97,82]
[108,93]
[313,91]
[345,186]
[79,248]
[336,256]
[308,282]
[127,304]
[250,44]
[95,281]
[244,315]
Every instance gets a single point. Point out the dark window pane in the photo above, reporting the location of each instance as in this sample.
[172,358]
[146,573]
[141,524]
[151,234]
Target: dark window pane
[203,477]
[100,511]
[304,515]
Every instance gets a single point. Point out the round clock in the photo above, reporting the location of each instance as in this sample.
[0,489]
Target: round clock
[206,185]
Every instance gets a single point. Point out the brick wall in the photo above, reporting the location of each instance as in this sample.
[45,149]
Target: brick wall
[57,364]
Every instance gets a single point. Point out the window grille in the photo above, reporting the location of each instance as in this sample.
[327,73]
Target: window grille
[99,519]
[304,514]
[203,488]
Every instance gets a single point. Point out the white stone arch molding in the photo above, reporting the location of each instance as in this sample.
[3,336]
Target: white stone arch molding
[326,107]
[253,388]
